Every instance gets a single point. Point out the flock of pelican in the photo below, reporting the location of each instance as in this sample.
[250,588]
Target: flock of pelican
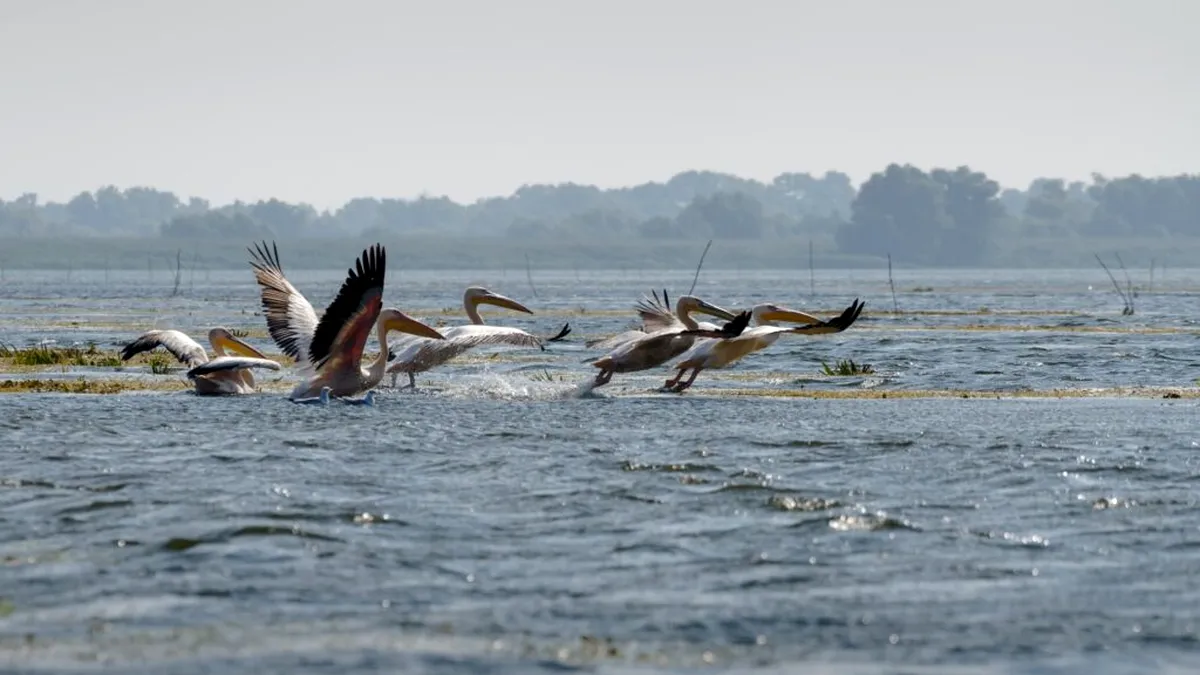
[328,350]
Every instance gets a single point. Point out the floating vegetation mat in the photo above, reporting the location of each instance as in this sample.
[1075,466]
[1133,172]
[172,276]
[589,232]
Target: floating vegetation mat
[85,385]
[1057,392]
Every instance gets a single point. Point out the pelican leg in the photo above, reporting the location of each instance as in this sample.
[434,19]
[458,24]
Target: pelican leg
[395,376]
[678,376]
[680,387]
[603,377]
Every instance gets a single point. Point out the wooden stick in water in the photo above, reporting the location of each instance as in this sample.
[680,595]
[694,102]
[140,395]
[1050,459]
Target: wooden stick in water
[1129,295]
[529,275]
[895,307]
[812,280]
[1116,285]
[698,266]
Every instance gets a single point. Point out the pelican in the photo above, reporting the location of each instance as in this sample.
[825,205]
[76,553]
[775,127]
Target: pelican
[417,355]
[330,351]
[656,315]
[675,336]
[224,375]
[721,353]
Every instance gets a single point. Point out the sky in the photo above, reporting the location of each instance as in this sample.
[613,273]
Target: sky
[321,102]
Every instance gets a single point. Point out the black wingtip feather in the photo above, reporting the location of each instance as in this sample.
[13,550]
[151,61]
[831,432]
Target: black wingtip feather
[367,274]
[562,333]
[734,328]
[265,258]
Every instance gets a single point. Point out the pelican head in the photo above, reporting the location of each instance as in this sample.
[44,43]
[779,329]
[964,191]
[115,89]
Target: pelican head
[222,339]
[687,304]
[767,313]
[394,319]
[478,295]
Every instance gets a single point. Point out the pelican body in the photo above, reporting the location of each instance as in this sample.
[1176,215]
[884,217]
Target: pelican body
[672,335]
[329,351]
[721,353]
[656,315]
[221,375]
[417,355]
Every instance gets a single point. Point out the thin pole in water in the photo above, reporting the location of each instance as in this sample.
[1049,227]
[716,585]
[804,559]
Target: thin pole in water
[698,266]
[529,275]
[812,280]
[895,307]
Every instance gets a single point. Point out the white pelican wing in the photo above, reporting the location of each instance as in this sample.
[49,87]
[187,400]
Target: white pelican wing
[473,335]
[614,341]
[656,314]
[188,351]
[419,354]
[291,319]
[221,363]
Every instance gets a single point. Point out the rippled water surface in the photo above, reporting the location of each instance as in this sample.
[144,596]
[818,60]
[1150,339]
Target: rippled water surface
[986,517]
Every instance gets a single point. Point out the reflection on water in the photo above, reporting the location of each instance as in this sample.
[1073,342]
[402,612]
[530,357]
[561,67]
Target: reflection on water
[502,517]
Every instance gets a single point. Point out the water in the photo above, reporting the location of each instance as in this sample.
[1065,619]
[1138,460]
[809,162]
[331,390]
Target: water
[503,519]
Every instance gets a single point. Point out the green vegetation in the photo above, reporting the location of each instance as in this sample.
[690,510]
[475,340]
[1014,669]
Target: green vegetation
[941,217]
[546,376]
[85,386]
[160,364]
[59,356]
[847,367]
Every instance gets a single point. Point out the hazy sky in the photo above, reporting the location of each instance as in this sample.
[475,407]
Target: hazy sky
[324,101]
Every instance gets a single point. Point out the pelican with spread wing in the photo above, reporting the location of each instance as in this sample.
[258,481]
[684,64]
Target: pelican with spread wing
[416,355]
[656,315]
[721,353]
[329,351]
[223,375]
[668,336]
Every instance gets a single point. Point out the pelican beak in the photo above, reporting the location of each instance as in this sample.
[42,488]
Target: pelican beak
[507,303]
[406,324]
[713,310]
[238,346]
[789,316]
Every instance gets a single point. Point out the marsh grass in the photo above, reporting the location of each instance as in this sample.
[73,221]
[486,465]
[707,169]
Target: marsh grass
[160,364]
[847,367]
[84,386]
[59,356]
[546,376]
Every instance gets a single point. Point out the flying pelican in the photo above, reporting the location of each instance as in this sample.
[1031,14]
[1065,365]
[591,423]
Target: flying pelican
[721,353]
[656,315]
[330,351]
[226,374]
[662,345]
[417,355]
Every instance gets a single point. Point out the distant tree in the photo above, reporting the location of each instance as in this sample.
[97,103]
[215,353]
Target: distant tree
[944,217]
[724,215]
[901,211]
[83,211]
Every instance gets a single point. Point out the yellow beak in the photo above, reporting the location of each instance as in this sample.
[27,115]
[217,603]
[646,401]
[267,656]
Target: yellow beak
[406,324]
[712,310]
[789,316]
[237,346]
[507,303]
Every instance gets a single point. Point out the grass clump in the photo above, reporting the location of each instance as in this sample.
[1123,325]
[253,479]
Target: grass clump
[546,376]
[160,364]
[87,385]
[847,367]
[43,355]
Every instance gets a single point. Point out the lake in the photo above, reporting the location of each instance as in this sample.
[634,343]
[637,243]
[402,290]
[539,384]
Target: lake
[1013,487]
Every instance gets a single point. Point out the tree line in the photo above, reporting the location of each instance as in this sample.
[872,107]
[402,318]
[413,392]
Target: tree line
[941,217]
